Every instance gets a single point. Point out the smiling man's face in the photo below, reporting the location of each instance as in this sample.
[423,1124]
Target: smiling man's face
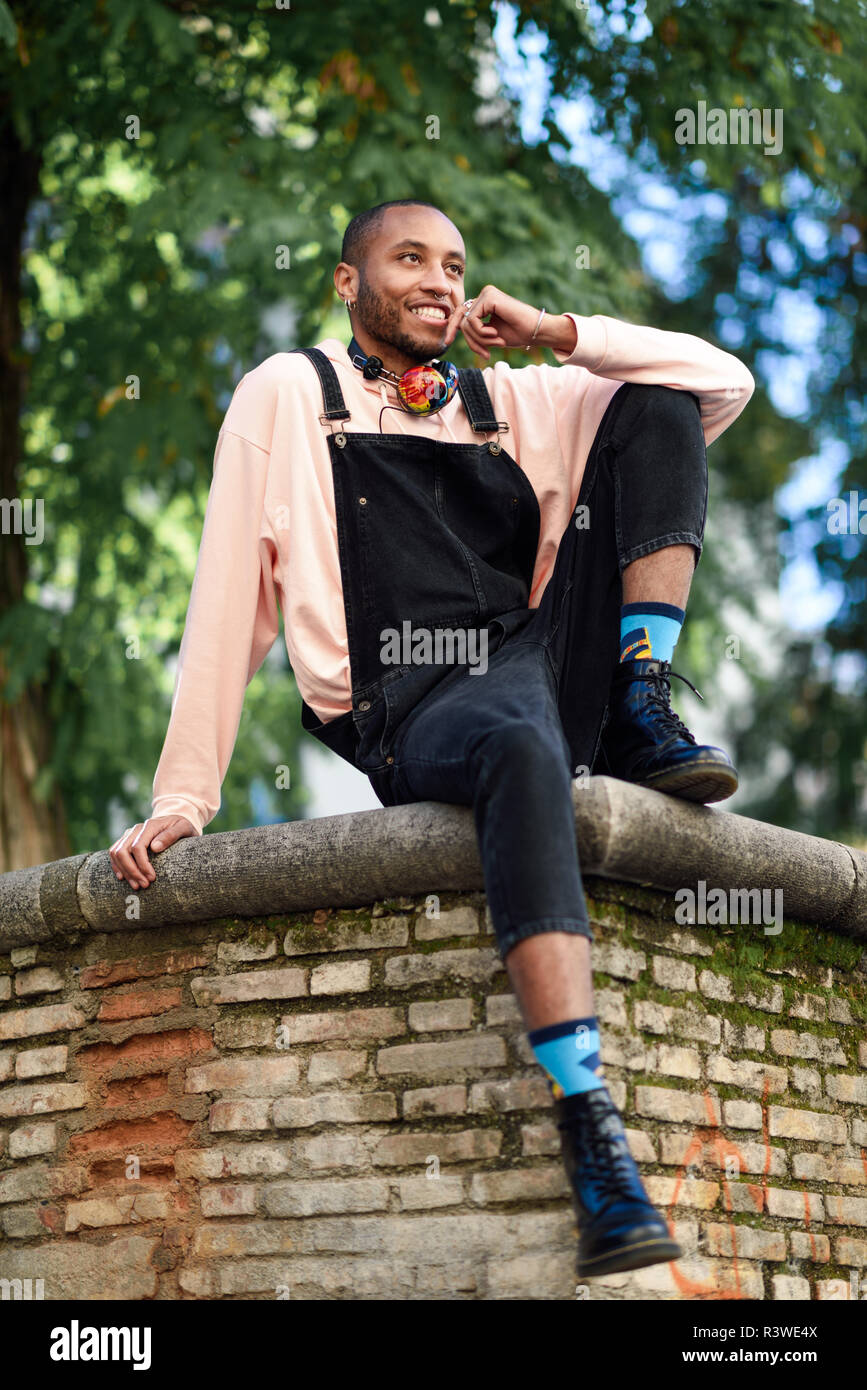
[411,281]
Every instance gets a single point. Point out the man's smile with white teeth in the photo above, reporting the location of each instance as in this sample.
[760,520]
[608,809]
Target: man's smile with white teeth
[427,311]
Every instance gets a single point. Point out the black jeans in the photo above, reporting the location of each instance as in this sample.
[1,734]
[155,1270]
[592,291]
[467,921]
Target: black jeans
[509,740]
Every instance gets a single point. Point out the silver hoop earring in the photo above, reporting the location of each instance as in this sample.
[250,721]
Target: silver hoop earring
[350,303]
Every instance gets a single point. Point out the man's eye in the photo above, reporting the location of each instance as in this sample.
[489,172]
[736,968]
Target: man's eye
[410,253]
[458,269]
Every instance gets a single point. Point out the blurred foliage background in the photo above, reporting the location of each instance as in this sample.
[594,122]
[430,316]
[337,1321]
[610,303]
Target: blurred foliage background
[154,156]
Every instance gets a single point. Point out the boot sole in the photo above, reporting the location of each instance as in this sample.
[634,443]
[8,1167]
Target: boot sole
[701,783]
[636,1256]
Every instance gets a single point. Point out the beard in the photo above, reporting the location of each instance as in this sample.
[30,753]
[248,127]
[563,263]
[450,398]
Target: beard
[380,317]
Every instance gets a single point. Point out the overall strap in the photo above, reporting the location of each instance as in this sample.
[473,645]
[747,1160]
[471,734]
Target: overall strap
[332,396]
[477,402]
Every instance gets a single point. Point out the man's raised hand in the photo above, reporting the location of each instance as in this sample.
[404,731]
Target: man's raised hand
[129,853]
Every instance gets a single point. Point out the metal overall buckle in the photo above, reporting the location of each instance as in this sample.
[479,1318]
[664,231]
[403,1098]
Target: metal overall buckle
[494,445]
[339,436]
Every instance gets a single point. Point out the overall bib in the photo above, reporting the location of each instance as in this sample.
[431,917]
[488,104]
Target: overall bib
[437,535]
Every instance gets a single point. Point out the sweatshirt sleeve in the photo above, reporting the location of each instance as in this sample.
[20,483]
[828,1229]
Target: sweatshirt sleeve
[232,621]
[654,357]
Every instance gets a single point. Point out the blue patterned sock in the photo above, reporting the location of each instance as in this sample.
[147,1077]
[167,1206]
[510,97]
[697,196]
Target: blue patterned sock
[569,1053]
[649,630]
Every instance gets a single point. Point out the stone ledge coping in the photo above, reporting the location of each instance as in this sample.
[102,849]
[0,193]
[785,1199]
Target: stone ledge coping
[623,832]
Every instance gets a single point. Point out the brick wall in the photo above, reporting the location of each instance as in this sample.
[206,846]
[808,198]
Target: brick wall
[344,1105]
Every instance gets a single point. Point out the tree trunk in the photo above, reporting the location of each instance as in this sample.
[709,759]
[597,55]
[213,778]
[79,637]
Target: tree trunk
[32,831]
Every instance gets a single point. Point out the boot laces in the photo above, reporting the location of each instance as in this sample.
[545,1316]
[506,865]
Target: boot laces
[660,698]
[612,1161]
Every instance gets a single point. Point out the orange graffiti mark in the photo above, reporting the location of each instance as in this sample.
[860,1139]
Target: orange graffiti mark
[708,1138]
[807,1221]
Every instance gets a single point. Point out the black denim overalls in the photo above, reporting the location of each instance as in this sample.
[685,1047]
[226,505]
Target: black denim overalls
[446,535]
[441,535]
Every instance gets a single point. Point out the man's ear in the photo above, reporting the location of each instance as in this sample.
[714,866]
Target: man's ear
[346,281]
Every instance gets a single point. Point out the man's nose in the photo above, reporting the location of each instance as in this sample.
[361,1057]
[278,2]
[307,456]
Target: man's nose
[437,283]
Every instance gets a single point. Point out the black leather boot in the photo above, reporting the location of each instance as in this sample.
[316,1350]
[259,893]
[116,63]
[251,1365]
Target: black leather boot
[618,1228]
[645,742]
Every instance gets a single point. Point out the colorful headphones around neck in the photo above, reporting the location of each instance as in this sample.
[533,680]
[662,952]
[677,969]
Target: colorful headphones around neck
[421,390]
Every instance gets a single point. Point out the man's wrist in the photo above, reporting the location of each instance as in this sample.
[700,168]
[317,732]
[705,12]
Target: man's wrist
[558,332]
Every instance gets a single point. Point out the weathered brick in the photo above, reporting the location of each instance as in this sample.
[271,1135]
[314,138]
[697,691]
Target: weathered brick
[806,1080]
[847,1211]
[245,1032]
[619,961]
[828,1290]
[253,984]
[228,1199]
[810,1245]
[799,1206]
[678,1061]
[610,1008]
[138,1004]
[715,986]
[520,1185]
[850,1251]
[539,1139]
[7,1065]
[743,1037]
[750,1157]
[335,1107]
[30,1023]
[254,1076]
[142,968]
[423,1193]
[5,988]
[347,936]
[475,965]
[519,1093]
[40,1061]
[162,1129]
[28,1140]
[408,1150]
[354,1023]
[19,1223]
[239,952]
[503,1008]
[839,1010]
[457,921]
[442,1058]
[682,1192]
[851,1172]
[240,1114]
[235,1161]
[661,1103]
[435,1100]
[340,977]
[333,1151]
[742,1114]
[20,956]
[752,1076]
[323,1198]
[806,1124]
[862,1054]
[440,1015]
[41,1099]
[852,1090]
[809,1006]
[44,979]
[682,1023]
[166,1046]
[118,1210]
[770,1000]
[36,1182]
[747,1242]
[789,1288]
[789,1044]
[673,974]
[81,1271]
[625,1050]
[327,1067]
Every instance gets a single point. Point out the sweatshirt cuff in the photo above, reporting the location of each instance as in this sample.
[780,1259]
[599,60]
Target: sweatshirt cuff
[177,806]
[592,344]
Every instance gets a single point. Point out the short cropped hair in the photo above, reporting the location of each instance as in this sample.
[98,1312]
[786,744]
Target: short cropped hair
[363,228]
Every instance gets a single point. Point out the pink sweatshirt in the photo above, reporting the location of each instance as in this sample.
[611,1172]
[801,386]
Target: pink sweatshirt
[269,540]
